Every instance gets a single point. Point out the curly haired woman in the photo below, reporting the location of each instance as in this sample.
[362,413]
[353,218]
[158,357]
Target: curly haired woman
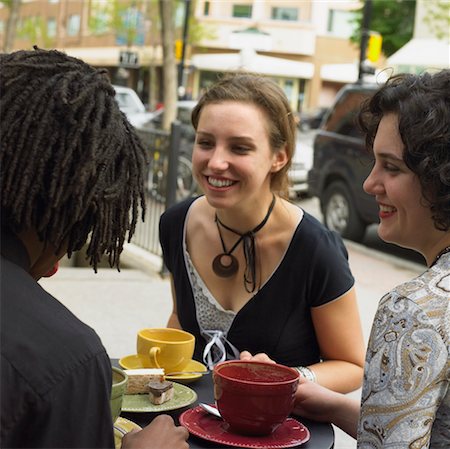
[406,395]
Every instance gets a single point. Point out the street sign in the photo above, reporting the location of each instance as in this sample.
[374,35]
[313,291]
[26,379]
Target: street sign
[129,59]
[374,46]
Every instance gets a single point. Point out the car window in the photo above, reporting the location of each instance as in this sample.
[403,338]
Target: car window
[184,115]
[343,118]
[125,101]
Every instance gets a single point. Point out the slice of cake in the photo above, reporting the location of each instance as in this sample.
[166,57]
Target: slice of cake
[160,391]
[139,379]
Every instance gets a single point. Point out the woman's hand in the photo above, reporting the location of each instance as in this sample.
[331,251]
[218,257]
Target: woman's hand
[318,403]
[313,401]
[261,357]
[161,433]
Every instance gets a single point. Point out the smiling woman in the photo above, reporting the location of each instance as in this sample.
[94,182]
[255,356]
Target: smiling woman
[406,391]
[232,251]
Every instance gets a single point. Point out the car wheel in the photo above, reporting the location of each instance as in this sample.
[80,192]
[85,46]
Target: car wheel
[340,213]
[186,185]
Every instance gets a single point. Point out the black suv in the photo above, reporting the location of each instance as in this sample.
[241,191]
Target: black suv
[341,163]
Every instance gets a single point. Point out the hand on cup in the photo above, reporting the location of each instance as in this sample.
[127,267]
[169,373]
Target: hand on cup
[171,349]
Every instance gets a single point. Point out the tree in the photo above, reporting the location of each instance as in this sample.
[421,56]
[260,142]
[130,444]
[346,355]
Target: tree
[393,19]
[11,25]
[438,17]
[169,67]
[124,17]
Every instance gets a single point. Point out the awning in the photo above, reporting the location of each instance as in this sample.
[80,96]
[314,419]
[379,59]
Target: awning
[249,60]
[109,56]
[348,73]
[339,73]
[421,52]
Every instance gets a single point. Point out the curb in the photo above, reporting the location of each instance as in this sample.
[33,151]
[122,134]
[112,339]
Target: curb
[136,257]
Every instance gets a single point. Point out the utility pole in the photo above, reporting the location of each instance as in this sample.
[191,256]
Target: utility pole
[365,32]
[183,48]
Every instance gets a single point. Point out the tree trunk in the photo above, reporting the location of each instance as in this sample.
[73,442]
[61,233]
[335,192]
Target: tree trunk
[11,26]
[169,66]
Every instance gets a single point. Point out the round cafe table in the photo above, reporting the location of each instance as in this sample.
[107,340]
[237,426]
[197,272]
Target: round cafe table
[322,434]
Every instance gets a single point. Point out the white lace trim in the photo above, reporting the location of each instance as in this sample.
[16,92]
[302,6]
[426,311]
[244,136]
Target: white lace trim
[213,320]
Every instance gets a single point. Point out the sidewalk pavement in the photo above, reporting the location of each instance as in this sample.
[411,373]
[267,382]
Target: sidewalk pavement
[117,304]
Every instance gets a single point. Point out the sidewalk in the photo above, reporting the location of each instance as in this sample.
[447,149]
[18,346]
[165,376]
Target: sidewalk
[117,304]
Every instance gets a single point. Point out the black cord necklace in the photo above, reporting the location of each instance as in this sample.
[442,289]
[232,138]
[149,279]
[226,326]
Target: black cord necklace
[441,253]
[226,265]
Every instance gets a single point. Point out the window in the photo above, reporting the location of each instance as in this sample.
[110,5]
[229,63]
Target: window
[51,27]
[285,14]
[242,11]
[340,22]
[100,17]
[206,8]
[343,118]
[73,25]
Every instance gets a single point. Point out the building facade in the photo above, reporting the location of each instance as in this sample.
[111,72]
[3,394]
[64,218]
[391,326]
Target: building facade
[303,45]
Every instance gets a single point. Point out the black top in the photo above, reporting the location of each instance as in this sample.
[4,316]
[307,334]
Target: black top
[55,373]
[277,320]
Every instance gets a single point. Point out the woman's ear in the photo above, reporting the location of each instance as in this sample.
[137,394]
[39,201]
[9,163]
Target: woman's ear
[280,159]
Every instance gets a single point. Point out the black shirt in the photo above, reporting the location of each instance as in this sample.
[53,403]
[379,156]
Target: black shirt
[55,373]
[277,319]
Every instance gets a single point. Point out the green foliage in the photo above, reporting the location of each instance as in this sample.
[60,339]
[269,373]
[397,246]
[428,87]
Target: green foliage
[120,16]
[393,19]
[34,29]
[111,15]
[438,17]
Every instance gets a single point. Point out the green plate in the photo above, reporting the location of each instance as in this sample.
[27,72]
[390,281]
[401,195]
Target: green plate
[182,396]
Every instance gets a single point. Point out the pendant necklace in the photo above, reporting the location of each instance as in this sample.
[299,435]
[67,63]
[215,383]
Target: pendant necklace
[441,253]
[226,265]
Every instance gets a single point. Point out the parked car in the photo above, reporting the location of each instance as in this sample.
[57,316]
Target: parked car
[298,173]
[183,115]
[131,105]
[341,163]
[312,119]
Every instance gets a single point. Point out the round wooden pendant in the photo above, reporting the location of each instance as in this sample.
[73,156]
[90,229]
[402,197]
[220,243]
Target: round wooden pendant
[225,265]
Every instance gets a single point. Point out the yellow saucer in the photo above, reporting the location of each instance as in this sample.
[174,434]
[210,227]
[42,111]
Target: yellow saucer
[138,361]
[121,427]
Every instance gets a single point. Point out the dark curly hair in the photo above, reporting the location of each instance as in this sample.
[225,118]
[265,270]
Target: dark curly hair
[422,103]
[265,93]
[71,165]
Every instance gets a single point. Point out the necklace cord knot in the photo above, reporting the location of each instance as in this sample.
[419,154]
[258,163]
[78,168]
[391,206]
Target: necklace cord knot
[249,246]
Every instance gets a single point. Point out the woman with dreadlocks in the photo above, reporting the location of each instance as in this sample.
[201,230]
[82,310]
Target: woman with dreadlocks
[71,167]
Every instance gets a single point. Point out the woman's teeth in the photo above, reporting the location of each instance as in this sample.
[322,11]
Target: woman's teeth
[387,209]
[219,182]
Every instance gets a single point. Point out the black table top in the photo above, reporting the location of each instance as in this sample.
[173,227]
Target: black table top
[322,434]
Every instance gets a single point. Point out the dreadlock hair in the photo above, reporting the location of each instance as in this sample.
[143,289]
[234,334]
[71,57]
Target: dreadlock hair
[71,165]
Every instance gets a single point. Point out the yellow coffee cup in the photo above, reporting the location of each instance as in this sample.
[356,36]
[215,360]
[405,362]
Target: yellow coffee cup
[171,349]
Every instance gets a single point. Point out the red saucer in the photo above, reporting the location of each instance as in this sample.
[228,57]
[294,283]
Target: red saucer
[201,424]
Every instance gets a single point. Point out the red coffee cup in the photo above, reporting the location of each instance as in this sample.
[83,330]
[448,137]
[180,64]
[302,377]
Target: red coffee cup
[254,398]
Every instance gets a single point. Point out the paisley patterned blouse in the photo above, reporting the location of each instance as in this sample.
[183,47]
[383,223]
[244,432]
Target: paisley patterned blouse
[406,394]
